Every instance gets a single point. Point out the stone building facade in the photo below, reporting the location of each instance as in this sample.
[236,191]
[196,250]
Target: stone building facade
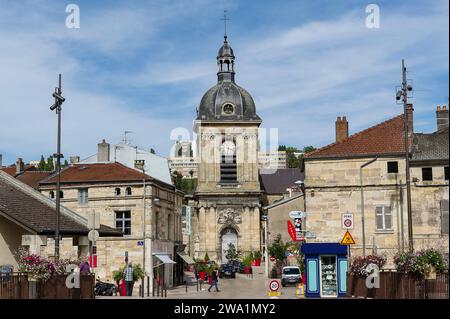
[333,187]
[116,192]
[226,204]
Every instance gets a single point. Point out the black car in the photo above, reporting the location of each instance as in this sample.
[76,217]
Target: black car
[227,271]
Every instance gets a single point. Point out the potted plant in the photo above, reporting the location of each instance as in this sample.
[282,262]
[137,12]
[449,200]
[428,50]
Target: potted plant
[247,261]
[201,267]
[257,256]
[421,264]
[118,276]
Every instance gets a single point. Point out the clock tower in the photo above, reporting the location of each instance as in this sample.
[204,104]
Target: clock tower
[226,205]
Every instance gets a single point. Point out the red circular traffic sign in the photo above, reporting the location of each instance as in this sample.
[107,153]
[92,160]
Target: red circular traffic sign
[272,258]
[348,223]
[274,285]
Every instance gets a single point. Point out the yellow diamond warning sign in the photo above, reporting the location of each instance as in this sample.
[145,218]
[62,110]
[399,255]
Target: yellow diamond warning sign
[347,239]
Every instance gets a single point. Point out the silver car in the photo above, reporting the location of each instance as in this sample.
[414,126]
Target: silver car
[291,275]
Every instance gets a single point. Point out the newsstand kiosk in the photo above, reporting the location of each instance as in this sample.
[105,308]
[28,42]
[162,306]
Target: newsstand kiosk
[326,269]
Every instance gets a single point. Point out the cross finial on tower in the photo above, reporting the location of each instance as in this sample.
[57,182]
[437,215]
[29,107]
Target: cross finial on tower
[225,19]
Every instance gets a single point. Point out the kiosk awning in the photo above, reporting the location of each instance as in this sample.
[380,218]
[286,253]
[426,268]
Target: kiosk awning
[186,258]
[164,258]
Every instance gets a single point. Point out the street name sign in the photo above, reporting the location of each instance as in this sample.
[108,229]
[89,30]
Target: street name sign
[297,214]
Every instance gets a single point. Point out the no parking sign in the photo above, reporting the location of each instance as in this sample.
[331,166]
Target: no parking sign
[347,221]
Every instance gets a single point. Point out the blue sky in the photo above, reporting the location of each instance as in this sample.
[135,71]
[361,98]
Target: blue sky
[143,66]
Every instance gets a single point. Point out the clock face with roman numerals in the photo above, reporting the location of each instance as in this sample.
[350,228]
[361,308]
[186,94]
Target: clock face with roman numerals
[228,109]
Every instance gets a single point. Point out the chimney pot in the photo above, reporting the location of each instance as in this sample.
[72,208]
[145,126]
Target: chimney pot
[341,128]
[20,167]
[103,151]
[442,118]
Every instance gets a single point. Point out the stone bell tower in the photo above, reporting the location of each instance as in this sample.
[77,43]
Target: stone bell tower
[226,200]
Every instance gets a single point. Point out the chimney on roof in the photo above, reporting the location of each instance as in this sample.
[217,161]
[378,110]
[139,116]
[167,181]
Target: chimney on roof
[74,159]
[20,166]
[103,152]
[410,118]
[341,128]
[442,117]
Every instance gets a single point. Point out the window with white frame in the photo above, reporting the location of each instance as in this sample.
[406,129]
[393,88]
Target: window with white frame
[123,222]
[383,218]
[82,196]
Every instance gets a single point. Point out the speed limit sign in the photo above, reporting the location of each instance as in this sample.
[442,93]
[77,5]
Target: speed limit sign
[347,221]
[274,285]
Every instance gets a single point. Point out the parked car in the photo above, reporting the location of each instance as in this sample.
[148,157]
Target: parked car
[227,271]
[291,275]
[234,264]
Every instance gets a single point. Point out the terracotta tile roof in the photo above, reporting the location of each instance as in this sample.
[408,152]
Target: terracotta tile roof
[32,178]
[29,208]
[11,170]
[385,138]
[98,172]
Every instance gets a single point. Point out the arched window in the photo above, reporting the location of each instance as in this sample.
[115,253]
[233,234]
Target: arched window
[61,194]
[51,194]
[128,191]
[117,191]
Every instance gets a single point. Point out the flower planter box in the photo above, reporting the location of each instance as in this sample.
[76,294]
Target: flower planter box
[256,262]
[202,275]
[247,270]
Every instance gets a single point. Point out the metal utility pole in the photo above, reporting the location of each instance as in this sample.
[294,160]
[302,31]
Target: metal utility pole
[145,227]
[57,106]
[405,89]
[363,225]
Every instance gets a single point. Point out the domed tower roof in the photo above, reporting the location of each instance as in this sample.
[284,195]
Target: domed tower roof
[227,101]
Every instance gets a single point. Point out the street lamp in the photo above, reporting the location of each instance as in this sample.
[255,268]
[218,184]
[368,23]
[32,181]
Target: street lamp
[59,100]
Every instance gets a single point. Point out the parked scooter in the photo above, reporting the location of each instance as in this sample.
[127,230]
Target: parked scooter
[105,289]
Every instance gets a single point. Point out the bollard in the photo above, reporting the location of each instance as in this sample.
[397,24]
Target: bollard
[186,288]
[153,291]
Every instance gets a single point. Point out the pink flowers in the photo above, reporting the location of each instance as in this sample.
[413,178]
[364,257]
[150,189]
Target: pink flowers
[41,268]
[359,264]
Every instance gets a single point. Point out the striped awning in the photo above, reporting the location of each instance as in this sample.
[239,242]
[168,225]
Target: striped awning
[187,259]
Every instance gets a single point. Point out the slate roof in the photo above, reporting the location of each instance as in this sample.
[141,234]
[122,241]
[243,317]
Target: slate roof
[280,180]
[385,138]
[97,172]
[434,146]
[31,209]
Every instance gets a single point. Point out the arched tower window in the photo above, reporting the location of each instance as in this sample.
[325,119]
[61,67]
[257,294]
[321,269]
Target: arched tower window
[228,164]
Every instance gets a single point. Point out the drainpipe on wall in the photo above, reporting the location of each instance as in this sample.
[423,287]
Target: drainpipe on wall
[362,203]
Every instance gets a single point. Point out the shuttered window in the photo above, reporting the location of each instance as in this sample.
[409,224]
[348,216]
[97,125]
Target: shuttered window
[444,212]
[383,218]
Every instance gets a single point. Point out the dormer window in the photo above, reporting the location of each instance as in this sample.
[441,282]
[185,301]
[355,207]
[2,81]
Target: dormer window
[117,191]
[128,191]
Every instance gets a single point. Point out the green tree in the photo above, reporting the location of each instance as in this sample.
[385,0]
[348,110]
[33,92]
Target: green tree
[42,165]
[308,149]
[232,253]
[49,167]
[278,250]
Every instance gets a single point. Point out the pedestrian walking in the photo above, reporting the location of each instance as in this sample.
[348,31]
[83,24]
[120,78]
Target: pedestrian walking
[129,280]
[214,279]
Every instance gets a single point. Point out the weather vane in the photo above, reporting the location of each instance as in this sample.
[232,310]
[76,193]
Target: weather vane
[225,19]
